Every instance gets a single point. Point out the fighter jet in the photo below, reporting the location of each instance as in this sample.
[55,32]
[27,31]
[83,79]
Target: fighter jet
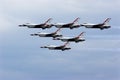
[101,26]
[42,25]
[53,47]
[71,25]
[71,39]
[53,34]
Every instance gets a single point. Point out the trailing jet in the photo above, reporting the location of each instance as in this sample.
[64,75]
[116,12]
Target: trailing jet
[71,25]
[101,26]
[71,39]
[42,25]
[53,34]
[61,47]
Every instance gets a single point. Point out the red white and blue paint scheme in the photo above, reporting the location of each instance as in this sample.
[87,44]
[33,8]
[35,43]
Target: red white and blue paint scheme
[54,47]
[45,25]
[53,34]
[101,26]
[71,25]
[72,39]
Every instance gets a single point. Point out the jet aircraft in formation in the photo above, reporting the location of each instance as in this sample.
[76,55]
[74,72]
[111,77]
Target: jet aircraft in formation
[101,26]
[71,25]
[53,34]
[57,36]
[44,25]
[71,39]
[54,47]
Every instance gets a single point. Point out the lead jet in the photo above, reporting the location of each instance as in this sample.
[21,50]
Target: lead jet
[71,25]
[101,26]
[42,25]
[61,47]
[53,34]
[72,39]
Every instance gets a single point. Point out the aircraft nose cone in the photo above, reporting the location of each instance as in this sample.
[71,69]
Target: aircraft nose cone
[33,34]
[20,25]
[43,47]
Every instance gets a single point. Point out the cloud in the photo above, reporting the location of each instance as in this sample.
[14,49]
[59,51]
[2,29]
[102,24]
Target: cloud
[98,45]
[96,58]
[77,65]
[16,11]
[72,6]
[5,23]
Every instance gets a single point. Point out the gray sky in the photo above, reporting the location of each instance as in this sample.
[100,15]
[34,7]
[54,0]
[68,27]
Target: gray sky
[21,57]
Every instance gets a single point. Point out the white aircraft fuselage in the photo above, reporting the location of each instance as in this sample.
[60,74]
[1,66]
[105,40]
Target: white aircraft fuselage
[100,26]
[70,39]
[52,47]
[54,35]
[43,26]
[69,25]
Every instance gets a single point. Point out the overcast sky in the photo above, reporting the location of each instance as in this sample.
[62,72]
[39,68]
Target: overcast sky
[21,57]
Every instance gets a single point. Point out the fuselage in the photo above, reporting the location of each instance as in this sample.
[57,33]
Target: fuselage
[100,26]
[47,35]
[70,39]
[69,25]
[43,26]
[53,47]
